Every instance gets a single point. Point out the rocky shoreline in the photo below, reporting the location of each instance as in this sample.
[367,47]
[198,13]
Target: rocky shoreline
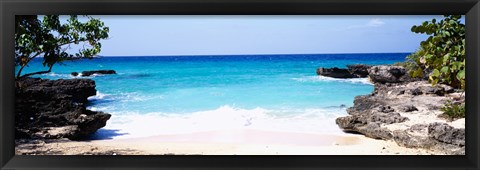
[55,109]
[406,111]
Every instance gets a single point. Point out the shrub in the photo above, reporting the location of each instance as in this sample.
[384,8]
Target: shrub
[443,53]
[453,110]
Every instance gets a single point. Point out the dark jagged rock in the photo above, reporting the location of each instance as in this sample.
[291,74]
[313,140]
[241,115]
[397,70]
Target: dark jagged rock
[446,133]
[420,136]
[352,71]
[368,123]
[408,108]
[363,103]
[435,90]
[55,108]
[359,70]
[387,118]
[384,109]
[409,140]
[334,72]
[415,91]
[373,130]
[89,73]
[388,74]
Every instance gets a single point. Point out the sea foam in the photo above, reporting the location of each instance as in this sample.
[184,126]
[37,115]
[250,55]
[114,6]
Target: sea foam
[330,79]
[313,120]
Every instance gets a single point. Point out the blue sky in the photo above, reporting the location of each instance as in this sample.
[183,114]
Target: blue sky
[220,35]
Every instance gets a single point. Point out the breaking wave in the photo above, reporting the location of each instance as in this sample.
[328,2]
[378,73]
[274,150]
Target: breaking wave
[329,79]
[316,120]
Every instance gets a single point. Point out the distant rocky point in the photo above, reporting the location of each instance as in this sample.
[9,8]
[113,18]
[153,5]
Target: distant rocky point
[352,71]
[89,73]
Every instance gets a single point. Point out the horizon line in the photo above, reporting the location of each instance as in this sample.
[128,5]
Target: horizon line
[246,54]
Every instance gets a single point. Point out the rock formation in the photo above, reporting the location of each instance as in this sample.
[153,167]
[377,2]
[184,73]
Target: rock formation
[388,74]
[406,112]
[89,73]
[359,70]
[352,71]
[55,109]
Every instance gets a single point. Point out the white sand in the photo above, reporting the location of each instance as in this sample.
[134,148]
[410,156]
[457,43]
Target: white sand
[234,142]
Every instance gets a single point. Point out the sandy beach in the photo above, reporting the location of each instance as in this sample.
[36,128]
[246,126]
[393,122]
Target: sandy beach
[233,142]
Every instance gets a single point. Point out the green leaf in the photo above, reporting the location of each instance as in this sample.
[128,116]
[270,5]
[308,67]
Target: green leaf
[445,69]
[48,35]
[435,73]
[461,75]
[447,33]
[446,58]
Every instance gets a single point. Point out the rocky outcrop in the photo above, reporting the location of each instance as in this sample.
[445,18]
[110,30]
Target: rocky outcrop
[89,73]
[407,112]
[388,74]
[334,72]
[434,136]
[352,71]
[359,70]
[447,134]
[55,109]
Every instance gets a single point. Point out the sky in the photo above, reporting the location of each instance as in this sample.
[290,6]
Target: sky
[227,35]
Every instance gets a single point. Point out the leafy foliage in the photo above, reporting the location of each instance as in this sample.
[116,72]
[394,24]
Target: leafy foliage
[52,39]
[454,110]
[443,53]
[409,64]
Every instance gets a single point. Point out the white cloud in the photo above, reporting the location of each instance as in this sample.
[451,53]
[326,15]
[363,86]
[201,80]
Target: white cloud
[375,23]
[372,23]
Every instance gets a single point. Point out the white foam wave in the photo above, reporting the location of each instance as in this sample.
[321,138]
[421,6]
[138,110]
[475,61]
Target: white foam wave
[225,118]
[57,75]
[121,97]
[97,108]
[98,96]
[330,79]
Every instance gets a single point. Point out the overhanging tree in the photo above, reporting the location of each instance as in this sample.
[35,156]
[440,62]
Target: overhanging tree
[52,40]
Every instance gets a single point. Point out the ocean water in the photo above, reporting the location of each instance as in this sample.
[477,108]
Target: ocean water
[155,95]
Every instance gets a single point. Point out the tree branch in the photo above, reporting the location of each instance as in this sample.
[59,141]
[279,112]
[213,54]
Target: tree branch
[38,72]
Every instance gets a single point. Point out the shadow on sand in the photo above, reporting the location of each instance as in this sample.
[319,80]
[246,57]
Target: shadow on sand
[103,134]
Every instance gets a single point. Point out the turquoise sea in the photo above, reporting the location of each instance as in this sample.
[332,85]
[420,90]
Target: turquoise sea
[154,95]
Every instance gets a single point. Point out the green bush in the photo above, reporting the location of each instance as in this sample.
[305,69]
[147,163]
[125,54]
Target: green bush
[443,53]
[453,110]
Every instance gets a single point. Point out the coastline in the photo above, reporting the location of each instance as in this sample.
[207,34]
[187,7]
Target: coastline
[246,142]
[400,117]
